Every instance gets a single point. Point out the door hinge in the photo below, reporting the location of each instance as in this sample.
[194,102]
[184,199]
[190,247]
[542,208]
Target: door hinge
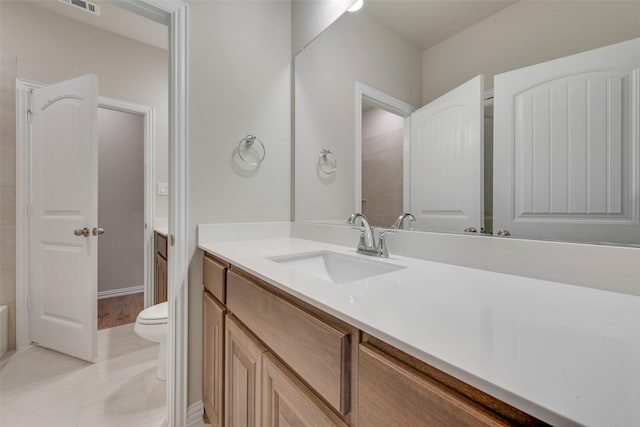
[28,303]
[28,210]
[29,102]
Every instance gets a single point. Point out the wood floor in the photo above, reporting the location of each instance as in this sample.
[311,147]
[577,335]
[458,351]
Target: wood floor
[118,311]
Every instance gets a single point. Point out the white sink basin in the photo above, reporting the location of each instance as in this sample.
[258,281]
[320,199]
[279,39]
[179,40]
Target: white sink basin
[336,267]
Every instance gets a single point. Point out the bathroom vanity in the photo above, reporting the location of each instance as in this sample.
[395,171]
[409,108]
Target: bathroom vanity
[269,356]
[160,275]
[423,343]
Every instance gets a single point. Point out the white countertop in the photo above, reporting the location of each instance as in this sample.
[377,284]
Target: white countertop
[566,354]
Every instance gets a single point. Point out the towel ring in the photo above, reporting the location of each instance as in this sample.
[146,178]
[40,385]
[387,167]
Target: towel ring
[323,160]
[249,140]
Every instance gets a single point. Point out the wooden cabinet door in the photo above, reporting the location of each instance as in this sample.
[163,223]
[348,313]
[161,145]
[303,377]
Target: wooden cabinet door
[286,401]
[213,359]
[393,394]
[243,365]
[161,279]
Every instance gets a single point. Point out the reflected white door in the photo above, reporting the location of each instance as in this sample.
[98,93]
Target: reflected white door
[64,198]
[446,160]
[566,147]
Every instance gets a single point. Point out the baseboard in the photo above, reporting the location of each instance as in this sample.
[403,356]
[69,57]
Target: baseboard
[120,292]
[195,412]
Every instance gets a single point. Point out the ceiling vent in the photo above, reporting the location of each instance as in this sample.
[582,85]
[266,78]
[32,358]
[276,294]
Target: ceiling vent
[87,6]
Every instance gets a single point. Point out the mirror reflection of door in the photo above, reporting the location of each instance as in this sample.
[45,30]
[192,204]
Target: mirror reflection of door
[447,160]
[488,163]
[382,170]
[566,136]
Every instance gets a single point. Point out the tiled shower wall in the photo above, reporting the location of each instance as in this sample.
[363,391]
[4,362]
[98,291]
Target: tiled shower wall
[8,191]
[382,177]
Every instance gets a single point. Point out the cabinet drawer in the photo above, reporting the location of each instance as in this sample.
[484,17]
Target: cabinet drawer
[214,278]
[392,393]
[316,351]
[161,245]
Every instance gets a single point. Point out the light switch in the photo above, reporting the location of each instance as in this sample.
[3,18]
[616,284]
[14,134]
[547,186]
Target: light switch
[163,188]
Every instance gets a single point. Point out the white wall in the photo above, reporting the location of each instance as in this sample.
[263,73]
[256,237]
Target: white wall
[120,199]
[354,48]
[311,17]
[239,62]
[52,48]
[526,33]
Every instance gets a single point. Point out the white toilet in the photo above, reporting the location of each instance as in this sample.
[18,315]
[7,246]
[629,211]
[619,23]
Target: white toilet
[151,324]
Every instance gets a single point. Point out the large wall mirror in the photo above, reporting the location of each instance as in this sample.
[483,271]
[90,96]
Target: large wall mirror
[500,117]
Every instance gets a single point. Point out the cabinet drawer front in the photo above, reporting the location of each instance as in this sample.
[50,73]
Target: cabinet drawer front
[317,352]
[214,278]
[161,245]
[393,394]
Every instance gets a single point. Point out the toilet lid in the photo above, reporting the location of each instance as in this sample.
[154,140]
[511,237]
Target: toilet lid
[155,314]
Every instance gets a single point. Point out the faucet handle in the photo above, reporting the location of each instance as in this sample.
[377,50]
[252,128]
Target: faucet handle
[362,243]
[383,252]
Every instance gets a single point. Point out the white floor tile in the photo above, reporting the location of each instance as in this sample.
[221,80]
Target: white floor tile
[40,387]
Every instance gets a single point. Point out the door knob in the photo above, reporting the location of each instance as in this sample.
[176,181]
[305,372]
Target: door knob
[97,231]
[82,232]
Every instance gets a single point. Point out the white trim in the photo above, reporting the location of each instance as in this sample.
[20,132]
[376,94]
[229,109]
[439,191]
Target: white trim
[174,14]
[178,257]
[156,10]
[392,105]
[23,195]
[195,413]
[149,114]
[120,292]
[406,163]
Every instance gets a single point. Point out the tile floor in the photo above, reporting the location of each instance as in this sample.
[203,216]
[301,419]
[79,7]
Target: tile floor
[39,387]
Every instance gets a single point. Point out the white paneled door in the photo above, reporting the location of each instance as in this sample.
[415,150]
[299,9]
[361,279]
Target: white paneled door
[566,159]
[64,212]
[447,160]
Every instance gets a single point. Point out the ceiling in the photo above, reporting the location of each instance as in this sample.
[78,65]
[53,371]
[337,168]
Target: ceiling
[425,23]
[113,19]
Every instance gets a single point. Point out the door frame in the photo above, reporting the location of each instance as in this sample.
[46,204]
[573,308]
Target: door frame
[172,13]
[393,105]
[149,116]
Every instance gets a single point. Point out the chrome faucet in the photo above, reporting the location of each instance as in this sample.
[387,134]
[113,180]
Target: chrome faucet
[367,244]
[400,220]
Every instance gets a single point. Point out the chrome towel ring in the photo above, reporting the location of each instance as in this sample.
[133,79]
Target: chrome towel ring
[248,143]
[327,162]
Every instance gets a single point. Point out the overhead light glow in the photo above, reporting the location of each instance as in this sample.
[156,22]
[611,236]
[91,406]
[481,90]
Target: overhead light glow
[356,6]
